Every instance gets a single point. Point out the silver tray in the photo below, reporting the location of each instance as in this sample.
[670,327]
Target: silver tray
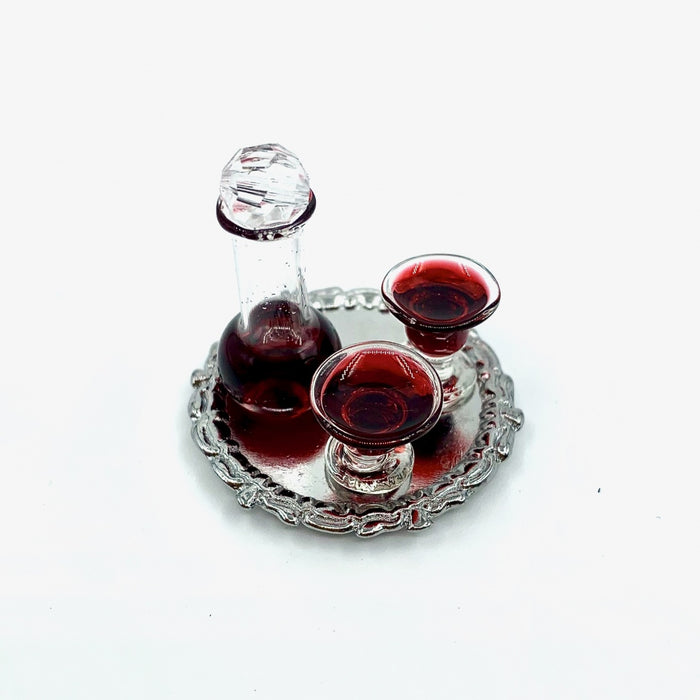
[277,464]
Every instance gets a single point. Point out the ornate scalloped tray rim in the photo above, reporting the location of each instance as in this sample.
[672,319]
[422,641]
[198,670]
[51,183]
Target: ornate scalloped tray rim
[499,420]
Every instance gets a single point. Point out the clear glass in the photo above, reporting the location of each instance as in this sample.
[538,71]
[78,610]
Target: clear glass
[271,269]
[264,187]
[373,399]
[438,298]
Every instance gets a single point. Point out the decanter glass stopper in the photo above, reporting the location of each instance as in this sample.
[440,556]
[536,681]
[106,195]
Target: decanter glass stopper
[264,187]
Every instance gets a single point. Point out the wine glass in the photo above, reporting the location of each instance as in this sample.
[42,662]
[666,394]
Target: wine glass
[374,398]
[438,298]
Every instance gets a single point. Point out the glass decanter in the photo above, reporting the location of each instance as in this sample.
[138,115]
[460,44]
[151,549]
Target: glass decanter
[268,352]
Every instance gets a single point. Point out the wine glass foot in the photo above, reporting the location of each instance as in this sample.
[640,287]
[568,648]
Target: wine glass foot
[389,477]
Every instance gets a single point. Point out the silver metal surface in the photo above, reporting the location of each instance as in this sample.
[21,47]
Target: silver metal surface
[278,464]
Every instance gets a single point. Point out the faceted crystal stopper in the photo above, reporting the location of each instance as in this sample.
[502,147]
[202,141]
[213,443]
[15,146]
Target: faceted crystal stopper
[264,187]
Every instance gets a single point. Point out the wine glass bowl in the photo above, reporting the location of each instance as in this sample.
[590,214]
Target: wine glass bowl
[439,298]
[374,399]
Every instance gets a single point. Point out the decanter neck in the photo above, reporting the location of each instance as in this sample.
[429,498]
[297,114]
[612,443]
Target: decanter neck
[270,269]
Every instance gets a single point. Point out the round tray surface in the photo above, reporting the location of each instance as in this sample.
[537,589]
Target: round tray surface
[277,464]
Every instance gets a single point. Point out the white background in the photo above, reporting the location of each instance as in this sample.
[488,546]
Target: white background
[556,142]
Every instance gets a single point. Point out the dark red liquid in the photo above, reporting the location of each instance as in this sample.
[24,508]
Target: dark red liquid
[437,344]
[439,299]
[376,398]
[268,367]
[440,293]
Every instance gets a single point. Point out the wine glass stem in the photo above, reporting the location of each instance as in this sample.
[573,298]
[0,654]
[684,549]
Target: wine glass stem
[364,463]
[458,378]
[444,366]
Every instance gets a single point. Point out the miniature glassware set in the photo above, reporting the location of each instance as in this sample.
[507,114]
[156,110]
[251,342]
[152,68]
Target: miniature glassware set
[281,357]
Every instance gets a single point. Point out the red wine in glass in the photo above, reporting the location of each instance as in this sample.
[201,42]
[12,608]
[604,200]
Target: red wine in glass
[441,291]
